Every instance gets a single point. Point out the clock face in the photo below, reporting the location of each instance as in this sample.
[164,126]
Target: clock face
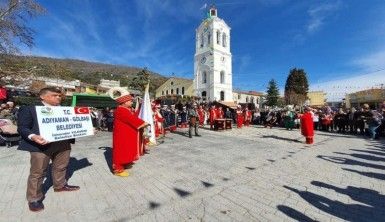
[203,60]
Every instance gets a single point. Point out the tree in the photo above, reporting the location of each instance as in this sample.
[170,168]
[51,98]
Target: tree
[14,15]
[272,94]
[140,80]
[296,87]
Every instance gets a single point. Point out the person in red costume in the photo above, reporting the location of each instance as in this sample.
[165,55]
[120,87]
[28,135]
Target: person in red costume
[247,117]
[307,128]
[240,117]
[158,120]
[201,114]
[220,113]
[213,116]
[127,136]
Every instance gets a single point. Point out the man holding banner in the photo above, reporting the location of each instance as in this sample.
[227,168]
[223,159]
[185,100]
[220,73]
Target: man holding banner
[42,149]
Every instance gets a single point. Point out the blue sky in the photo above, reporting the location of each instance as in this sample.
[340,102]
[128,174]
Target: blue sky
[339,43]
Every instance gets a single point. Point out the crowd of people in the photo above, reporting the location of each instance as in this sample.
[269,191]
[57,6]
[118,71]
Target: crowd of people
[8,120]
[356,121]
[130,139]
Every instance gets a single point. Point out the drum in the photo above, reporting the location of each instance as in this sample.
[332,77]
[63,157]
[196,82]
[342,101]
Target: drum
[193,120]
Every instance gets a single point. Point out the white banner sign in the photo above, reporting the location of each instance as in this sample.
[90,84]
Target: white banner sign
[64,122]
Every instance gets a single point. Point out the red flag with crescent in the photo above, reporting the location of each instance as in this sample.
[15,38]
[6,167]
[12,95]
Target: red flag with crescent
[82,110]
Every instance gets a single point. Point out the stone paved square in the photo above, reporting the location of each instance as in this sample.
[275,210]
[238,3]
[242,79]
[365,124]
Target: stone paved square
[249,174]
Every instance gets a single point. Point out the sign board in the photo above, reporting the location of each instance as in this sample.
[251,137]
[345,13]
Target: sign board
[64,122]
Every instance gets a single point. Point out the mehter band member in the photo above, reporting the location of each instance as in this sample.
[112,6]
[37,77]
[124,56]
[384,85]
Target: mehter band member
[127,136]
[307,128]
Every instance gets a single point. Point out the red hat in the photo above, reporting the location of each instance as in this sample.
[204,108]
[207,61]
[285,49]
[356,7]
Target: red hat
[123,99]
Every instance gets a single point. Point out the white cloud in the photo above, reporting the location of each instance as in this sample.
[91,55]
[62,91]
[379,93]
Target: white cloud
[372,61]
[337,89]
[319,14]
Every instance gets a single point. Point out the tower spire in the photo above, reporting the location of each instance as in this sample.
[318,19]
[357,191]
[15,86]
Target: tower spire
[213,11]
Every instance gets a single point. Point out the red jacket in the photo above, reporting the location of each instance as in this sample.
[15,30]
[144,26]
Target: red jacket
[307,125]
[126,143]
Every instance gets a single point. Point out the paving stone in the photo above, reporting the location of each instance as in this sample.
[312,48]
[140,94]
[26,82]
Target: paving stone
[248,174]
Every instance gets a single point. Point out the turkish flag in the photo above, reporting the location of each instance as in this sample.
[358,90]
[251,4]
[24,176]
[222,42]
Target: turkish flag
[82,110]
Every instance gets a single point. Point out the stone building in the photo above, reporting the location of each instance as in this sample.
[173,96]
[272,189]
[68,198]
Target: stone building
[316,98]
[176,86]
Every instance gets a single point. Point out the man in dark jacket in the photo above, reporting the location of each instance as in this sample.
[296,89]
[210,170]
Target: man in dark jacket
[42,151]
[193,119]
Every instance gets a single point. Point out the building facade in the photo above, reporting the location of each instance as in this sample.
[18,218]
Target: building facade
[109,83]
[176,86]
[316,98]
[213,60]
[373,97]
[252,97]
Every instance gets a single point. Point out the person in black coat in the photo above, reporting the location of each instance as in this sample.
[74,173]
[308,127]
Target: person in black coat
[43,151]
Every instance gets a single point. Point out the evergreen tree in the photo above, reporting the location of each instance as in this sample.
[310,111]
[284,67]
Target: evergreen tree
[140,80]
[296,87]
[272,94]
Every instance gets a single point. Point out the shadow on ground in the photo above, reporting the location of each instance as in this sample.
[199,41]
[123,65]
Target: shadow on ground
[282,138]
[294,214]
[74,165]
[369,208]
[107,156]
[370,203]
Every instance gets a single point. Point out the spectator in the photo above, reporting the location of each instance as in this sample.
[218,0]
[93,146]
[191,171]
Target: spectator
[5,112]
[3,94]
[110,120]
[257,117]
[373,123]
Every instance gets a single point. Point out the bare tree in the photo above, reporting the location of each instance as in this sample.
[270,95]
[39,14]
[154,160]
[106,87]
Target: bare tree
[14,15]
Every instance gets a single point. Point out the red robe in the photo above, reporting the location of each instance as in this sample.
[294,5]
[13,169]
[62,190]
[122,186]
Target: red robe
[158,121]
[127,138]
[201,114]
[239,118]
[213,117]
[247,117]
[220,113]
[307,128]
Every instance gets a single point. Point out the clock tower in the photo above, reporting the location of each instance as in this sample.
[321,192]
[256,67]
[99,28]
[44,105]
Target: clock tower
[212,60]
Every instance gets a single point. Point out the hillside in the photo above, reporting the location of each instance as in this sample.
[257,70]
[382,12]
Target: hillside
[69,69]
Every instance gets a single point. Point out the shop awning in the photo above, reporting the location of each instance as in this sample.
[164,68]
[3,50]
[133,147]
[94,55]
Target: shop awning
[231,105]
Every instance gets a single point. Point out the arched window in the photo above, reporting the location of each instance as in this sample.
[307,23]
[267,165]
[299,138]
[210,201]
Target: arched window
[204,94]
[222,95]
[177,91]
[222,77]
[202,40]
[252,99]
[218,37]
[182,90]
[172,91]
[162,93]
[239,96]
[166,92]
[204,77]
[224,40]
[208,38]
[257,100]
[247,99]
